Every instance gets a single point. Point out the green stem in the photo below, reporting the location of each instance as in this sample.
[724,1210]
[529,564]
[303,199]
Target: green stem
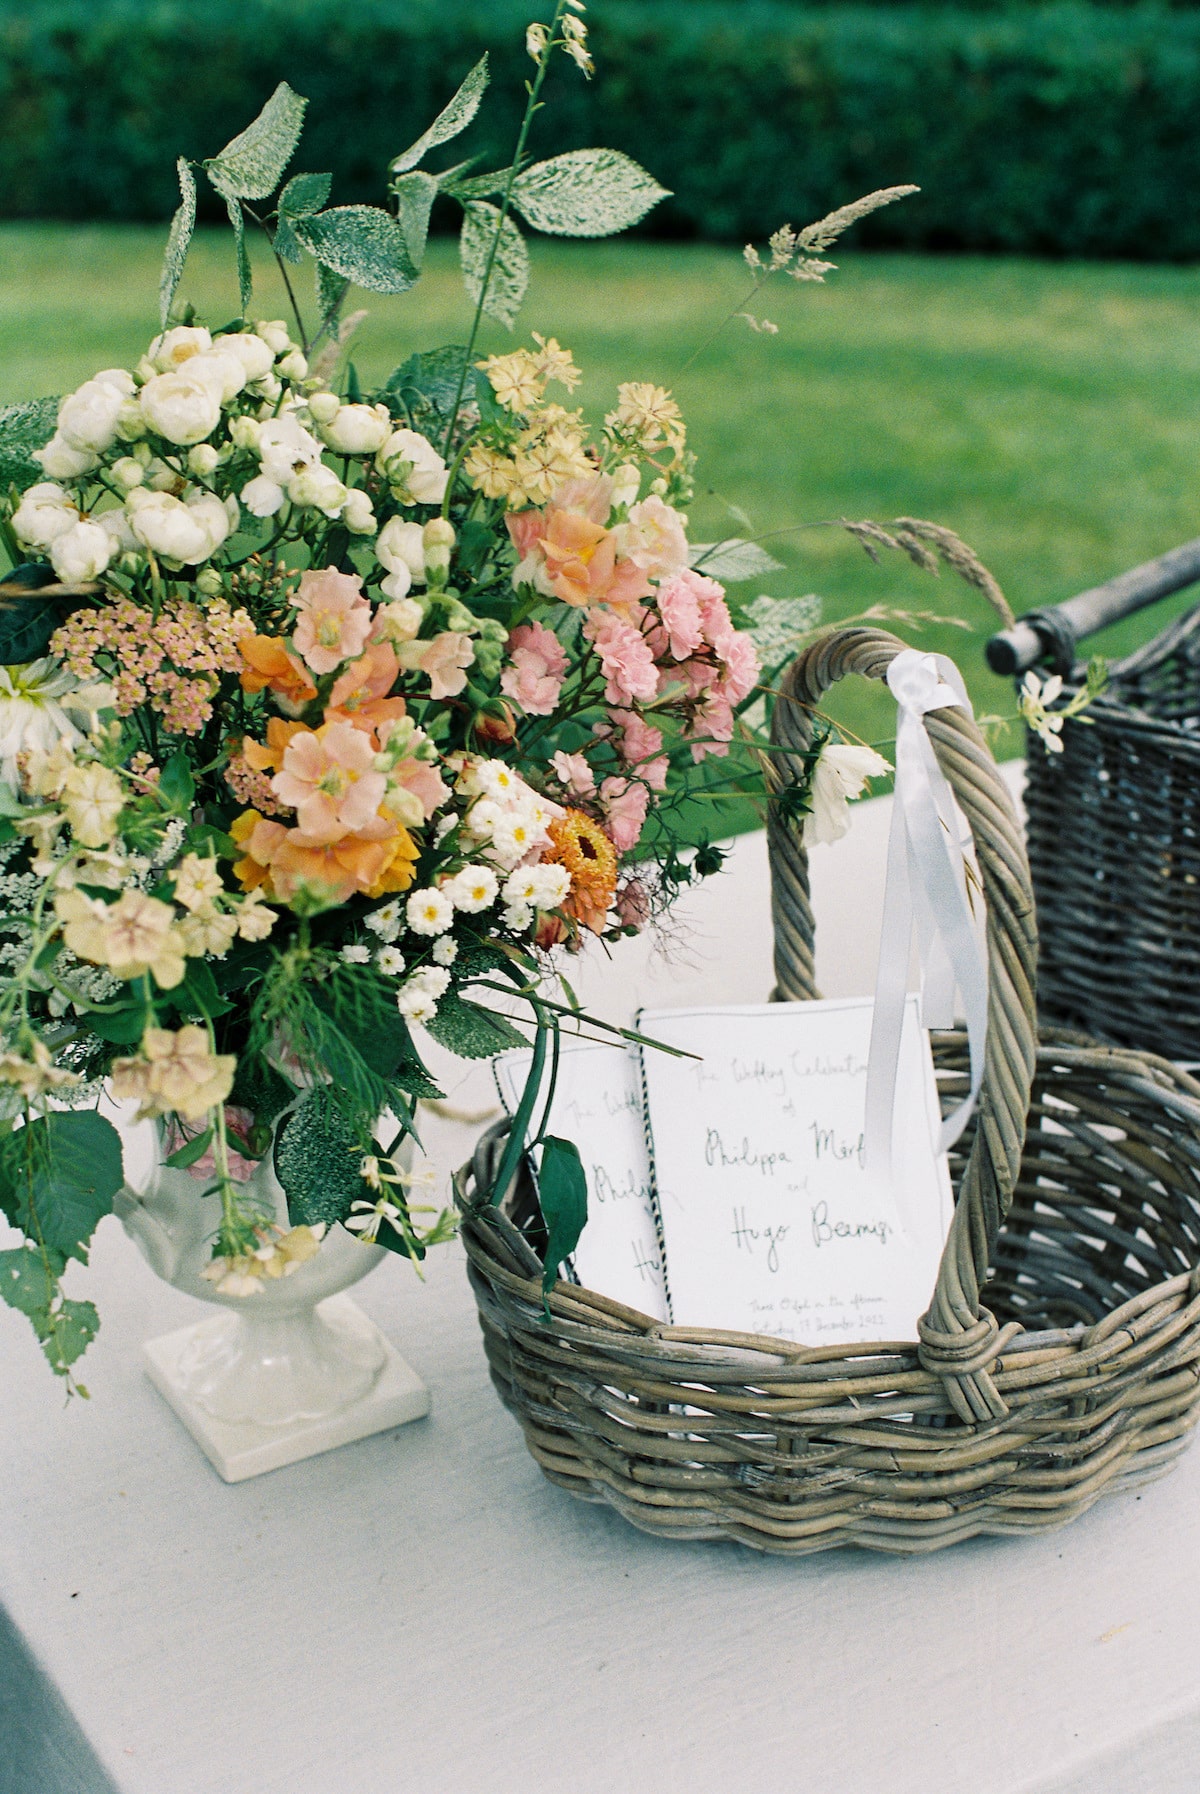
[535,88]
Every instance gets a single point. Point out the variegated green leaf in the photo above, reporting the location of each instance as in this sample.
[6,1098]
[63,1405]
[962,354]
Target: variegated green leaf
[23,427]
[452,119]
[178,239]
[252,165]
[415,194]
[361,243]
[303,195]
[245,276]
[331,292]
[586,193]
[509,277]
[733,559]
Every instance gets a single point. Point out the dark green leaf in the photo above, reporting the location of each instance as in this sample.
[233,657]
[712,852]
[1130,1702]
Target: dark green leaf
[562,1192]
[26,626]
[453,118]
[199,990]
[26,426]
[470,1031]
[187,1155]
[432,379]
[318,1159]
[24,1282]
[363,244]
[121,1027]
[177,786]
[73,1326]
[259,1087]
[251,165]
[178,239]
[70,1162]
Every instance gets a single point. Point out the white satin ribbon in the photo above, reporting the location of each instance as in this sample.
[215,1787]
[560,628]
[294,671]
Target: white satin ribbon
[926,886]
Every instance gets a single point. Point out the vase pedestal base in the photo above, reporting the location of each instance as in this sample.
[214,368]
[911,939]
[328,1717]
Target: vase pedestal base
[247,1447]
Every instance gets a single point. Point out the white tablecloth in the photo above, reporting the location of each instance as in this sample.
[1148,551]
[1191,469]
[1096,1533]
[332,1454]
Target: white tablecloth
[422,1614]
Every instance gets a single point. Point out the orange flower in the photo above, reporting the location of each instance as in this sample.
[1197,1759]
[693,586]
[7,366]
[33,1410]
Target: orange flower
[589,856]
[268,664]
[270,757]
[401,869]
[251,873]
[285,862]
[360,697]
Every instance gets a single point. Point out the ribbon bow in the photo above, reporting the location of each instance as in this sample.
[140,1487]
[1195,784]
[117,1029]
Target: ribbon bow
[926,885]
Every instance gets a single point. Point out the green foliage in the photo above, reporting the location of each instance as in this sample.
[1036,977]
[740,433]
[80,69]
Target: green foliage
[58,1178]
[733,559]
[1063,128]
[64,1328]
[586,193]
[26,625]
[252,165]
[452,119]
[318,1153]
[24,427]
[470,1031]
[562,1193]
[303,195]
[178,240]
[363,244]
[506,273]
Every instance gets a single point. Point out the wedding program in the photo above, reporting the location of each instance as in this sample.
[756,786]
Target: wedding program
[772,1222]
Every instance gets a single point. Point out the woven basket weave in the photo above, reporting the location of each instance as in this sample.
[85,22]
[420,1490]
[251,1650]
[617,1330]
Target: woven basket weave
[1079,1375]
[1114,842]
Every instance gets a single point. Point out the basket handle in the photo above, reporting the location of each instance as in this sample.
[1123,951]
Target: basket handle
[959,1338]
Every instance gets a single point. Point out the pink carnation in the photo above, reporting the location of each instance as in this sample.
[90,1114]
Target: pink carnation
[625,805]
[741,666]
[575,774]
[538,666]
[712,730]
[641,748]
[625,656]
[679,607]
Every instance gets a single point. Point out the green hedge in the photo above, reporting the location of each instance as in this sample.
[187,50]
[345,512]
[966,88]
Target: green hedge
[1069,129]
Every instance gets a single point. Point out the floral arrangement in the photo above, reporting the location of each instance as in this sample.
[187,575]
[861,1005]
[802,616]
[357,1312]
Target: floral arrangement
[325,709]
[330,714]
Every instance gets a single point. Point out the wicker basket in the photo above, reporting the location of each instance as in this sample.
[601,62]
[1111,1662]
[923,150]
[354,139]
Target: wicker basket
[1114,843]
[1080,1375]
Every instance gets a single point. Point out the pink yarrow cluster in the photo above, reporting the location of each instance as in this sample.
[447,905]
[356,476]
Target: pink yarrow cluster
[171,661]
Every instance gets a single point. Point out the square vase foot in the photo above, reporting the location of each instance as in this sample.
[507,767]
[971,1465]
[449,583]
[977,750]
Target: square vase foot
[244,1448]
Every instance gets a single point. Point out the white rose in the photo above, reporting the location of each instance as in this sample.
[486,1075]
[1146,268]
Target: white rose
[293,366]
[357,429]
[131,425]
[400,548]
[161,478]
[262,497]
[182,406]
[357,514]
[270,387]
[128,473]
[317,487]
[176,346]
[244,433]
[285,446]
[841,773]
[323,406]
[167,526]
[400,621]
[81,553]
[423,480]
[88,417]
[63,461]
[214,519]
[627,480]
[44,514]
[275,334]
[224,373]
[203,460]
[115,523]
[255,355]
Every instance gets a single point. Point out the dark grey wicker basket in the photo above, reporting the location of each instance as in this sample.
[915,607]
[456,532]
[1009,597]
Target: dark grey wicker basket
[1114,822]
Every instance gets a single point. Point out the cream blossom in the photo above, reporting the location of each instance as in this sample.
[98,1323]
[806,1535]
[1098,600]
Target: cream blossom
[207,932]
[41,706]
[400,547]
[317,487]
[81,553]
[46,511]
[841,773]
[88,417]
[262,497]
[184,405]
[177,1072]
[35,1073]
[174,347]
[255,355]
[398,621]
[284,447]
[197,881]
[61,460]
[358,429]
[92,799]
[132,936]
[357,514]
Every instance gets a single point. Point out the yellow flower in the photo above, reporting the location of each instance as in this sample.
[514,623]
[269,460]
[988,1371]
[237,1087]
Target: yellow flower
[255,919]
[491,473]
[648,413]
[132,936]
[196,881]
[177,1071]
[515,379]
[93,798]
[554,363]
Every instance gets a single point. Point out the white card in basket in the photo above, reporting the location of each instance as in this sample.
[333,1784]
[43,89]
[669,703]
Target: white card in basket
[770,1221]
[598,1105]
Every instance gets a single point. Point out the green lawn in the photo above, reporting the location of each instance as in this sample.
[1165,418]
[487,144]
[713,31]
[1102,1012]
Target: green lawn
[1048,412]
